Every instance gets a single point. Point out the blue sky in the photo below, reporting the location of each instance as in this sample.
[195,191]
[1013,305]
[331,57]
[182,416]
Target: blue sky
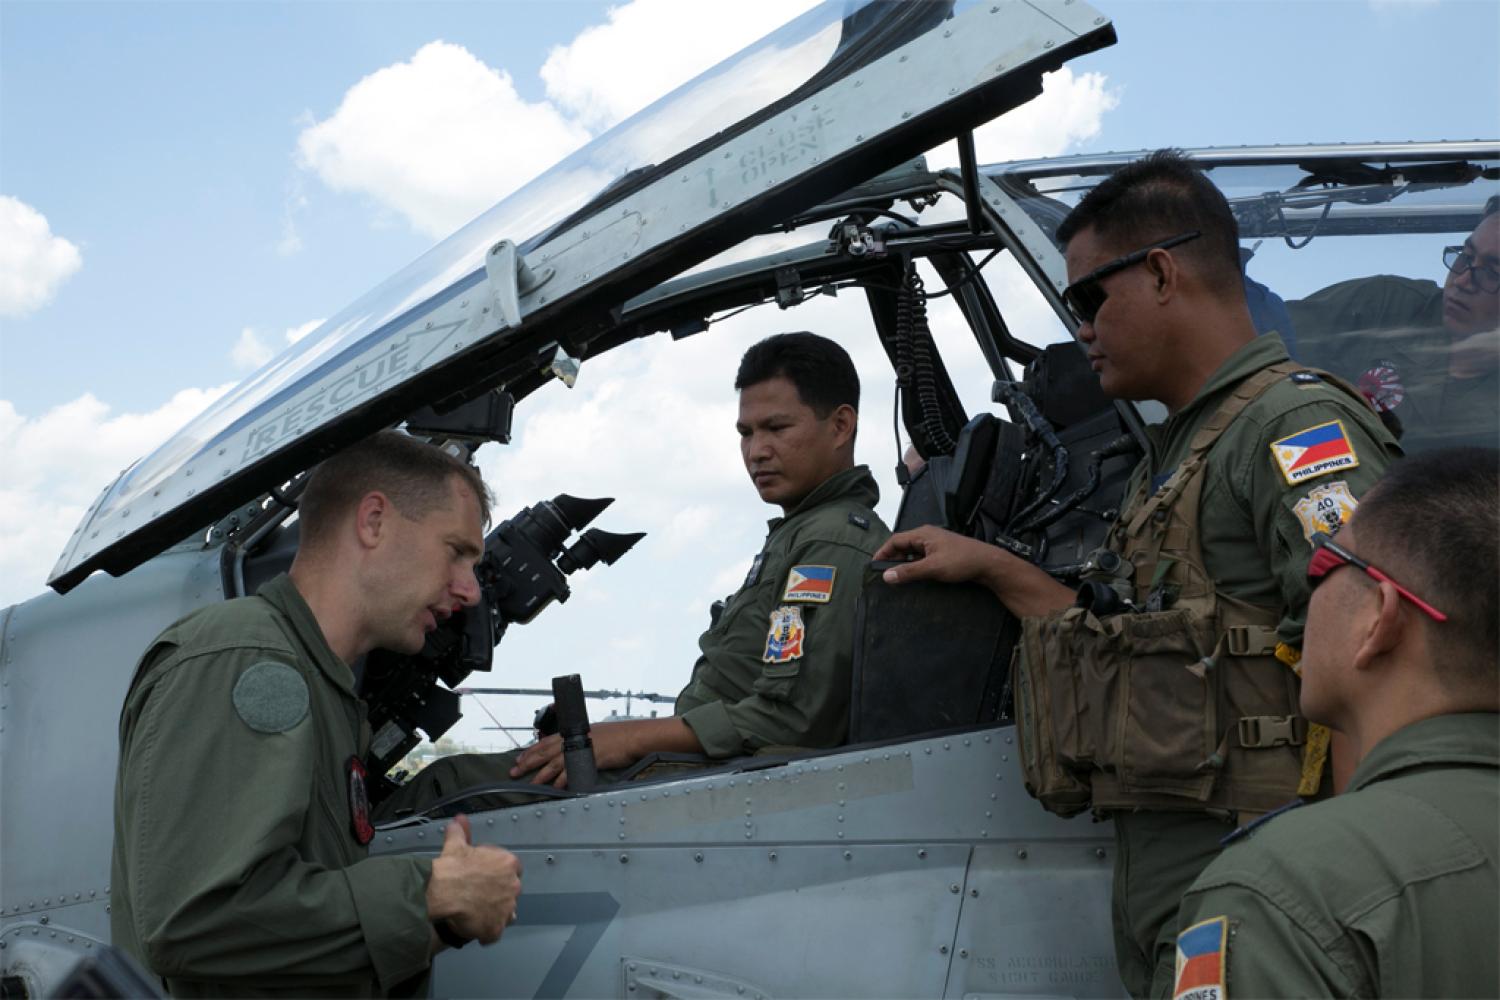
[223,173]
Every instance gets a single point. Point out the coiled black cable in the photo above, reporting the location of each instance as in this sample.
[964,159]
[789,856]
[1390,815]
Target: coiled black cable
[914,360]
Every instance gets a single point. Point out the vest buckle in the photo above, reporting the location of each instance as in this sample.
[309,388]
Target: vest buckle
[1250,640]
[1258,732]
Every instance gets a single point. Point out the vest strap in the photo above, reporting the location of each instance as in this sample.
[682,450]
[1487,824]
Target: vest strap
[1247,392]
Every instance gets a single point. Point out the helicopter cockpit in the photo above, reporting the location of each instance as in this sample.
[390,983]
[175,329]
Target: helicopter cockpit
[797,186]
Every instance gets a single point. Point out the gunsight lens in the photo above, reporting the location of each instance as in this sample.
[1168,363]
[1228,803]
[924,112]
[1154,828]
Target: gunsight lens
[597,546]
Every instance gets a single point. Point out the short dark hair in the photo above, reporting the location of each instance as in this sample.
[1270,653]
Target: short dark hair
[820,369]
[1155,198]
[1434,518]
[1491,206]
[413,474]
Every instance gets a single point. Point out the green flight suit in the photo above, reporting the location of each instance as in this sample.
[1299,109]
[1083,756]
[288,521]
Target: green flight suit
[737,701]
[1386,334]
[1390,889]
[1255,541]
[744,694]
[236,870]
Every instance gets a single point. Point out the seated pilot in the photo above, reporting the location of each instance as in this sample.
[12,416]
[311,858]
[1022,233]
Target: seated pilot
[776,661]
[1427,355]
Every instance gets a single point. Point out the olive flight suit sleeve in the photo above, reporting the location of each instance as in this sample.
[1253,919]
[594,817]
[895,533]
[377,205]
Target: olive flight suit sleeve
[1258,940]
[1291,502]
[220,823]
[785,699]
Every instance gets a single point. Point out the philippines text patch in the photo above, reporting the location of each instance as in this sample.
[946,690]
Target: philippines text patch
[809,585]
[1314,452]
[270,697]
[784,641]
[1200,961]
[1325,509]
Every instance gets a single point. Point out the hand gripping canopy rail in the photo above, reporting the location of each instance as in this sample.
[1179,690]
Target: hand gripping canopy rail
[832,98]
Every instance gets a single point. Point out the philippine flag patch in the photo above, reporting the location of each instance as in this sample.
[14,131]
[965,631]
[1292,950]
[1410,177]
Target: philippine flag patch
[1200,961]
[784,641]
[1314,452]
[809,585]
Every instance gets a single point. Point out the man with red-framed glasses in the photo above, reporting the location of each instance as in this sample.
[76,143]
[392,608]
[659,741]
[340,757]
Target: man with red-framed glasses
[1392,888]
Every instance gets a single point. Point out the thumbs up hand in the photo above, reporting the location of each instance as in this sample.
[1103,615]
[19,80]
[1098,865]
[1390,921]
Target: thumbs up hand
[473,888]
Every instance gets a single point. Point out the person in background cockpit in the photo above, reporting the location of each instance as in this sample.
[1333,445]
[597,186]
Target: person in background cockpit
[1425,354]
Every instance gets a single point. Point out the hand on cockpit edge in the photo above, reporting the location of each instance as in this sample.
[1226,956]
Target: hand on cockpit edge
[474,888]
[616,744]
[613,747]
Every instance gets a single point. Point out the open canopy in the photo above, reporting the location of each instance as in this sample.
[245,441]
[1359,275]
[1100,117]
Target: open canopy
[830,99]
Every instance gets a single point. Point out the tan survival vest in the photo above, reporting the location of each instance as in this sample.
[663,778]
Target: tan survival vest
[1186,708]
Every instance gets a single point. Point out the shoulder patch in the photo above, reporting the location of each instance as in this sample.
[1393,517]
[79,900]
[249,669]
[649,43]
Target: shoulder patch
[1306,378]
[270,697]
[859,521]
[784,641]
[1200,961]
[1314,452]
[1325,509]
[1382,386]
[809,585]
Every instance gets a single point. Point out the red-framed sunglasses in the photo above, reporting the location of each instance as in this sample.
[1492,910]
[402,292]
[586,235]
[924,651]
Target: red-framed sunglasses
[1329,555]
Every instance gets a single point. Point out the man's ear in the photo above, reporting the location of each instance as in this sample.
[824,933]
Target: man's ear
[372,518]
[845,422]
[1387,629]
[1165,273]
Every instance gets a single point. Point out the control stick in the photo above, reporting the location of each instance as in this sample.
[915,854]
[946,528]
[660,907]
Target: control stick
[573,727]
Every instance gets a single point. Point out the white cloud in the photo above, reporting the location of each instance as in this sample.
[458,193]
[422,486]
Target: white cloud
[33,262]
[252,349]
[438,138]
[433,139]
[296,333]
[57,464]
[1069,112]
[600,78]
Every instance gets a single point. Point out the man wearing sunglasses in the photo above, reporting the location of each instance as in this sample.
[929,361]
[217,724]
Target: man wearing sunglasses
[1426,354]
[1257,457]
[1392,888]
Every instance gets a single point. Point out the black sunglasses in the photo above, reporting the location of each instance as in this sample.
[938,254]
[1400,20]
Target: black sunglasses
[1084,296]
[1328,555]
[1458,260]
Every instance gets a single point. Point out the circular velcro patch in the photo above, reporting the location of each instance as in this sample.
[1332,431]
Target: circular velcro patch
[271,697]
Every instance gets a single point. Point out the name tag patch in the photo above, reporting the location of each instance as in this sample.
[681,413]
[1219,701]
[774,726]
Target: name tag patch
[754,573]
[1325,509]
[1314,452]
[1200,961]
[784,641]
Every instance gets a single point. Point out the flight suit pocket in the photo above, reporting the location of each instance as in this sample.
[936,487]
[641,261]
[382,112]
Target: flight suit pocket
[776,680]
[1166,712]
[1047,718]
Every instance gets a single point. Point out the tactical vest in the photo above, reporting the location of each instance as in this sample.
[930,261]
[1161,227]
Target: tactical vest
[1181,704]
